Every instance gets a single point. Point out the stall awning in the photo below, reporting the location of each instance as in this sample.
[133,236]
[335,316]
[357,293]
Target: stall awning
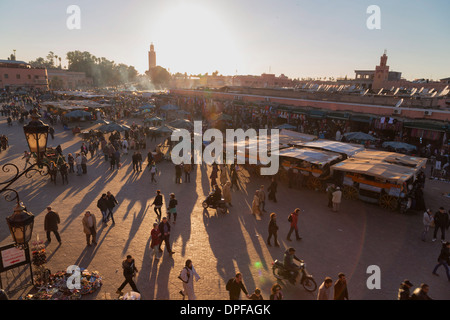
[338,115]
[360,118]
[427,126]
[317,114]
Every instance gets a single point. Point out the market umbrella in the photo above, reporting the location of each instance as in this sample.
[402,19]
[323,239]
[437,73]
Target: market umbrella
[182,124]
[165,129]
[101,121]
[169,107]
[78,114]
[286,126]
[398,145]
[111,127]
[358,136]
[147,106]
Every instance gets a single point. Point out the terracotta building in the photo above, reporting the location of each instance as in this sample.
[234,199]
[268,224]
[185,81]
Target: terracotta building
[68,80]
[20,75]
[151,57]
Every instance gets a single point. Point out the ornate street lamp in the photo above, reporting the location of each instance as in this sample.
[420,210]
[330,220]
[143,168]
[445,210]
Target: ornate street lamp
[36,133]
[20,225]
[21,221]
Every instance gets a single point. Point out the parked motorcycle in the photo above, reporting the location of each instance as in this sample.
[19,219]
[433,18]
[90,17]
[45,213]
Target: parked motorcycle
[220,206]
[306,279]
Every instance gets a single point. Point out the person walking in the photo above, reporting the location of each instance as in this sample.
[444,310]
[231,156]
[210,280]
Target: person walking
[223,175]
[187,167]
[139,160]
[187,275]
[324,289]
[156,239]
[129,271]
[427,221]
[262,199]
[330,189]
[164,228]
[51,222]
[404,290]
[149,158]
[78,164]
[234,287]
[158,203]
[337,197]
[112,162]
[421,293]
[102,204]
[153,171]
[134,159]
[273,190]
[273,230]
[340,288]
[256,295]
[275,292]
[64,170]
[226,191]
[441,221]
[71,161]
[444,259]
[111,202]
[177,174]
[234,178]
[255,204]
[293,219]
[172,209]
[84,162]
[90,228]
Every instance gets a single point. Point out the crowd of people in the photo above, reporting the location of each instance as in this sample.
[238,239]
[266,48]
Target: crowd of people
[222,181]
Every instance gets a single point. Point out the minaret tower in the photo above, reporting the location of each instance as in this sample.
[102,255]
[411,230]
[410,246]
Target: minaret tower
[151,57]
[381,73]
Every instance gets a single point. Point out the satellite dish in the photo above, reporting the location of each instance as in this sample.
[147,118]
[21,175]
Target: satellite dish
[365,92]
[379,92]
[421,89]
[399,103]
[433,94]
[396,91]
[413,91]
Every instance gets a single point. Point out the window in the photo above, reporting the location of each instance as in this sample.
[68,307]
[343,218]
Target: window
[17,76]
[6,76]
[29,76]
[36,77]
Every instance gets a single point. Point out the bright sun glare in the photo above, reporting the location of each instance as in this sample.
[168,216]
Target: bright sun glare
[195,39]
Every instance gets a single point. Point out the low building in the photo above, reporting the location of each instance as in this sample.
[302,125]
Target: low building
[60,79]
[20,75]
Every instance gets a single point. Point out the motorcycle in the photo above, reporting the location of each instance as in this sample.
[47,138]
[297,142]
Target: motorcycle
[220,206]
[306,279]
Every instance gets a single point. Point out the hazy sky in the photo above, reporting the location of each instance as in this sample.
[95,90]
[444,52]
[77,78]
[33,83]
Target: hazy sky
[298,38]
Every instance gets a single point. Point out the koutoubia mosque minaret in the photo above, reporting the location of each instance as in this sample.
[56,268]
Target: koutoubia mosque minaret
[381,73]
[151,57]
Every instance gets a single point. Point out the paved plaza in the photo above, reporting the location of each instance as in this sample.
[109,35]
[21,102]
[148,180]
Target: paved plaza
[349,241]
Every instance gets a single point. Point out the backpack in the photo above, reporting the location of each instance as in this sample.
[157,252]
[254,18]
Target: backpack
[290,218]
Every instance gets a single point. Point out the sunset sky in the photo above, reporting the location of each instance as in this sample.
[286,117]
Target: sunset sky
[298,38]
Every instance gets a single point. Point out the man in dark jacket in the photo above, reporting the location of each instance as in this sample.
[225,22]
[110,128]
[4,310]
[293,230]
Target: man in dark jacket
[441,221]
[110,203]
[164,228]
[51,222]
[444,259]
[421,293]
[129,270]
[289,265]
[102,204]
[404,290]
[234,287]
[340,288]
[158,202]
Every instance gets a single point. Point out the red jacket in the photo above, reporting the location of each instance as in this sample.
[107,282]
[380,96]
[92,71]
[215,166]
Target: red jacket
[294,219]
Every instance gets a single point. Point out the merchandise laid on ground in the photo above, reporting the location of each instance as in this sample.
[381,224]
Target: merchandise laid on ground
[56,288]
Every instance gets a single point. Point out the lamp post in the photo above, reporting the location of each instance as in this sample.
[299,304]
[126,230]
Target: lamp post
[21,222]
